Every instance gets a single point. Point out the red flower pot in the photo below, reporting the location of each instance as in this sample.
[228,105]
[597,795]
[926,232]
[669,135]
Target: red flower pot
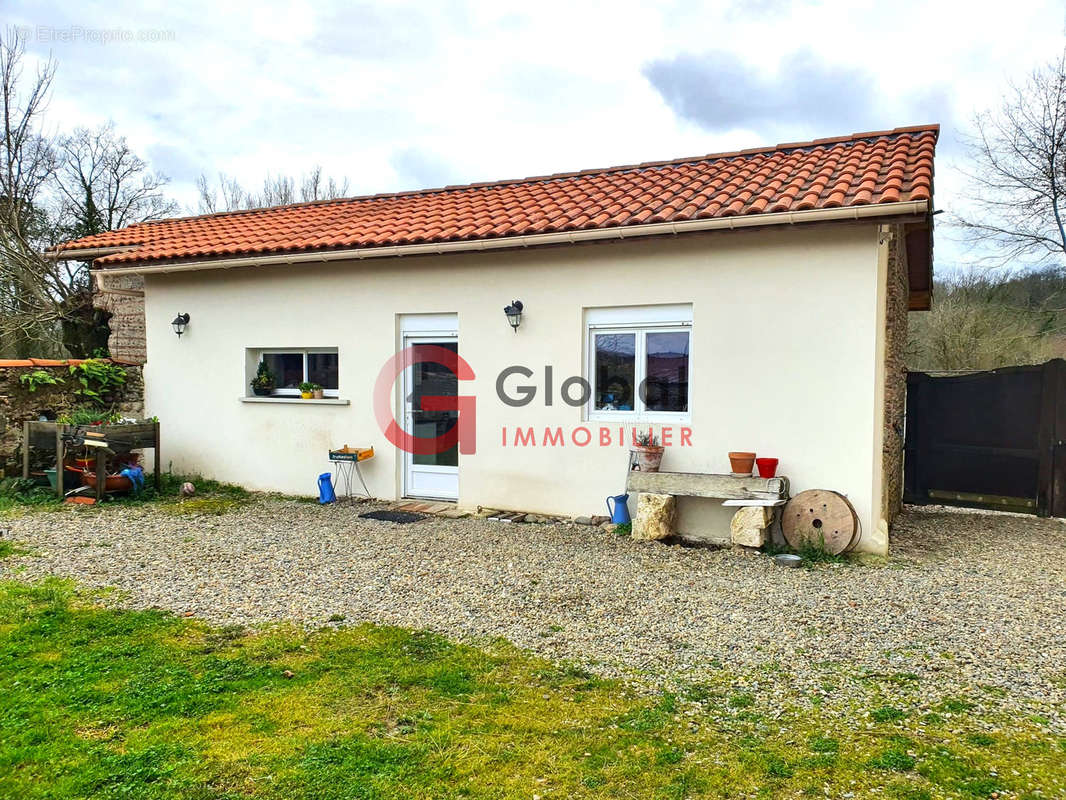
[767,467]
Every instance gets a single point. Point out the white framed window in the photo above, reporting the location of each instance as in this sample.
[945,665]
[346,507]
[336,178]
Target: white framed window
[639,363]
[293,366]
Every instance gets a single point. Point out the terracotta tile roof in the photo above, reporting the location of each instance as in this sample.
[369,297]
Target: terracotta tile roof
[862,169]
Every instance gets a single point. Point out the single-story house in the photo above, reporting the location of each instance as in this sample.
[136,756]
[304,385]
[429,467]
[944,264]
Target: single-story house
[753,300]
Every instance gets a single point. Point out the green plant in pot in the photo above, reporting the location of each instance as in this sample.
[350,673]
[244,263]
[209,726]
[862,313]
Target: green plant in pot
[307,390]
[317,392]
[88,415]
[264,381]
[646,454]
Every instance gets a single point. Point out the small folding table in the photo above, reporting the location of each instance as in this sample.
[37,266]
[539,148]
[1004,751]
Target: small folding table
[346,466]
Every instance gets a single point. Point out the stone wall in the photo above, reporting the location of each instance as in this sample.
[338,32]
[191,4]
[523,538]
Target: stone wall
[895,374]
[123,297]
[18,404]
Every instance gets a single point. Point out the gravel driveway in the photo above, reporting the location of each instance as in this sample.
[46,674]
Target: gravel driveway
[966,599]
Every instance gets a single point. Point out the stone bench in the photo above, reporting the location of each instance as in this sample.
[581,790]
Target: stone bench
[757,499]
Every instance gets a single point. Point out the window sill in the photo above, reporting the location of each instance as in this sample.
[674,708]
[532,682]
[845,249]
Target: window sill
[633,418]
[325,401]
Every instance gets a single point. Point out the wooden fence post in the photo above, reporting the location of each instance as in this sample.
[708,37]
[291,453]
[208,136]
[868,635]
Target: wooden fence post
[1045,440]
[157,459]
[26,449]
[101,473]
[913,490]
[1055,408]
[59,459]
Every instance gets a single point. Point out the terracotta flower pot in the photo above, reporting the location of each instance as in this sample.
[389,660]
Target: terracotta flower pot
[741,462]
[647,458]
[767,467]
[112,483]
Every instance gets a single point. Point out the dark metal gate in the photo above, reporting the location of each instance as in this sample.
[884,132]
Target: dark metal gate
[988,439]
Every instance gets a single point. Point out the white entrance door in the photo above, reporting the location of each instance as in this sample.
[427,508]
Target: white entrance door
[433,475]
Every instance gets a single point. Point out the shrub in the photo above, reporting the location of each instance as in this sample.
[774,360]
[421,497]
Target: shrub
[38,378]
[97,378]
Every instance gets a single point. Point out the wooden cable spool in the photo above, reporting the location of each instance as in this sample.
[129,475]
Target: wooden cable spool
[820,517]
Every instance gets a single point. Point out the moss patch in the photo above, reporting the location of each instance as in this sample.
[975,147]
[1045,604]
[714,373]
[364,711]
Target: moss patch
[9,548]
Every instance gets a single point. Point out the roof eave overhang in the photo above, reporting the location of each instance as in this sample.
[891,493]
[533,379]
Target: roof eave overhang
[910,209]
[918,241]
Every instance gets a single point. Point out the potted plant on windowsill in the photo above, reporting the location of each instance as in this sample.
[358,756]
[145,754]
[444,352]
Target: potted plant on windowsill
[264,381]
[647,454]
[307,390]
[317,392]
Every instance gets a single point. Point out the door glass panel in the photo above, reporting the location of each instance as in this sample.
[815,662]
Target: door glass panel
[430,379]
[615,370]
[666,384]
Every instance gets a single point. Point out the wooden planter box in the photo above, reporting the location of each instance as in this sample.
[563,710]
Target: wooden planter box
[49,436]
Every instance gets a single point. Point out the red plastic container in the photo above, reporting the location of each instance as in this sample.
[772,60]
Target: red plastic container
[767,467]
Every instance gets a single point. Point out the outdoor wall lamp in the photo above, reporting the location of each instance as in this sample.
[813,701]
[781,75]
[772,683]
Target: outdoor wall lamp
[179,324]
[514,314]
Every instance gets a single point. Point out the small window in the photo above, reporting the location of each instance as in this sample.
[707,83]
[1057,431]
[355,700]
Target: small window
[293,367]
[639,362]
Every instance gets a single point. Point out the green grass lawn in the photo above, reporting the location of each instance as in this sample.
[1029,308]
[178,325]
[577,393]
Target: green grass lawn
[97,702]
[19,497]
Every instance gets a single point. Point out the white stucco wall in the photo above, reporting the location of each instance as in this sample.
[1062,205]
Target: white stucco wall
[784,344]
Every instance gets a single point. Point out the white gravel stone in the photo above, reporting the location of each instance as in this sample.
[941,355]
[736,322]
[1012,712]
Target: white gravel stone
[969,600]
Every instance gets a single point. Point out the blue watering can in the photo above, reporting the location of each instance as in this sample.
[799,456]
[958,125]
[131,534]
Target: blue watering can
[620,512]
[325,489]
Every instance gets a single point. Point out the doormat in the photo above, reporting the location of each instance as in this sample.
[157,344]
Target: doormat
[400,517]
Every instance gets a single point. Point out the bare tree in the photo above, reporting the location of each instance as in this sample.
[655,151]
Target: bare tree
[278,190]
[312,186]
[232,195]
[103,185]
[1017,188]
[51,190]
[28,164]
[100,184]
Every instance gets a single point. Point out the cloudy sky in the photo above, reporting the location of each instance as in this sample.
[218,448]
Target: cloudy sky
[396,95]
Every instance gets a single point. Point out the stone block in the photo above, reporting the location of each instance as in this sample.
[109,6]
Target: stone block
[750,524]
[655,516]
[750,537]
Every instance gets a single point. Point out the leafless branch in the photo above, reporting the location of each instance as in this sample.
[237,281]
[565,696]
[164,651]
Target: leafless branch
[278,190]
[1017,186]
